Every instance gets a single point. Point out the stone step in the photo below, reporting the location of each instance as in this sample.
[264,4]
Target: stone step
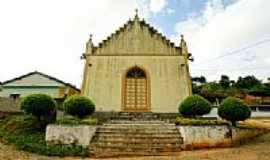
[121,151]
[108,154]
[130,121]
[143,128]
[135,146]
[139,126]
[138,140]
[137,131]
[132,134]
[136,136]
[105,117]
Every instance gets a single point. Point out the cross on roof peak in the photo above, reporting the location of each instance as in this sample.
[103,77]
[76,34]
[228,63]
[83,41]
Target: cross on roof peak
[136,11]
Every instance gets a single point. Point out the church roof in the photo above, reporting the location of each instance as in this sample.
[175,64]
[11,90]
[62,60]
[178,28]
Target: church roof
[144,32]
[142,23]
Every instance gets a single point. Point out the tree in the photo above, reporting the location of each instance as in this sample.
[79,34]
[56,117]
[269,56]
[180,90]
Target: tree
[40,106]
[247,82]
[196,89]
[194,106]
[233,110]
[200,79]
[213,92]
[260,90]
[225,81]
[268,79]
[79,106]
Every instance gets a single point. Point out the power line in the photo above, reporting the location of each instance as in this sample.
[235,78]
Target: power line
[231,69]
[238,50]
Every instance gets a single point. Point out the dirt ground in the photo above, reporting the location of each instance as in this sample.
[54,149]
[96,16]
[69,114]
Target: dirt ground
[257,149]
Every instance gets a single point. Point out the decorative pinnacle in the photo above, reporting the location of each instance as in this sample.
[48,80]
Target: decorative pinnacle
[136,11]
[182,37]
[90,37]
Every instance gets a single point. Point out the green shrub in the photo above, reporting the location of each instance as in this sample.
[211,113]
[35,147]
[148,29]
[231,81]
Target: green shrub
[233,109]
[41,106]
[90,121]
[21,123]
[194,106]
[24,137]
[198,122]
[59,104]
[79,106]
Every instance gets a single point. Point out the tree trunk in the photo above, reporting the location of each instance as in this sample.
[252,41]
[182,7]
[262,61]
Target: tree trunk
[233,123]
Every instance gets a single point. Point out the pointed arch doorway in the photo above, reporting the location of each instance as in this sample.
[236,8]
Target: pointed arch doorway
[136,94]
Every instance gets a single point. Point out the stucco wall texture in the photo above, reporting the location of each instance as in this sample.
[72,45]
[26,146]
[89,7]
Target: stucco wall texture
[164,74]
[215,136]
[137,44]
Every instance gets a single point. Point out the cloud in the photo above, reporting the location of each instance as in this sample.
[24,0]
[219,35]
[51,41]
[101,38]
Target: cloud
[231,40]
[170,10]
[157,5]
[50,36]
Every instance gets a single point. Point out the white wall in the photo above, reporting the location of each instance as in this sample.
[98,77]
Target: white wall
[34,80]
[53,92]
[168,85]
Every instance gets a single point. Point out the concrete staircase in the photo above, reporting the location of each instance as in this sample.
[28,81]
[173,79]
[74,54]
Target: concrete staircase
[106,117]
[120,138]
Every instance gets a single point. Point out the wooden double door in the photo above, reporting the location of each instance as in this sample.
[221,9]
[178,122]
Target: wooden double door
[136,91]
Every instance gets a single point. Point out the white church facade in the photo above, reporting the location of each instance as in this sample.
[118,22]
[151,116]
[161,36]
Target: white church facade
[136,69]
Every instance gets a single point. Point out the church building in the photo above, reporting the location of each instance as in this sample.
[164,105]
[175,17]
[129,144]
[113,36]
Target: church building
[136,69]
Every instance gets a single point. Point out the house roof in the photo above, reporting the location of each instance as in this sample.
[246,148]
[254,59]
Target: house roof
[41,74]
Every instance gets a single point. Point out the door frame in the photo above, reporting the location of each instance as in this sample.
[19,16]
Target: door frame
[148,90]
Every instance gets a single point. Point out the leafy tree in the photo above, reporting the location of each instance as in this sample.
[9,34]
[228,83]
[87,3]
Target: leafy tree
[225,81]
[79,106]
[40,106]
[260,90]
[233,109]
[247,82]
[268,79]
[196,89]
[213,92]
[200,79]
[194,106]
[212,87]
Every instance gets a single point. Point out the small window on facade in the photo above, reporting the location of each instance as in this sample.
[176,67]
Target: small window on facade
[14,96]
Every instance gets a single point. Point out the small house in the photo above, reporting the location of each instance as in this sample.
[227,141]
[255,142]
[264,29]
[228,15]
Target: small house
[36,82]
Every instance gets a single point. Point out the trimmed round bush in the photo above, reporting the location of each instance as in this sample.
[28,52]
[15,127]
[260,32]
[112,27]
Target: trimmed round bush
[194,106]
[40,106]
[233,110]
[79,106]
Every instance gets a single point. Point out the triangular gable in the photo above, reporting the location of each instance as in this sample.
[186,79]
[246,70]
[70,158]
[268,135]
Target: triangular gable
[36,79]
[137,37]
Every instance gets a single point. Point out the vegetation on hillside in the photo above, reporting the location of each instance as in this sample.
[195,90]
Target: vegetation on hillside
[21,131]
[216,91]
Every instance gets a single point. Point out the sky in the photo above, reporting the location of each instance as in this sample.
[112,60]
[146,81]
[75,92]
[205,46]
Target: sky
[229,37]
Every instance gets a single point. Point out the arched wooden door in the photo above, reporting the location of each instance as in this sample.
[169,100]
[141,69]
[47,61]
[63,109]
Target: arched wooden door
[136,91]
